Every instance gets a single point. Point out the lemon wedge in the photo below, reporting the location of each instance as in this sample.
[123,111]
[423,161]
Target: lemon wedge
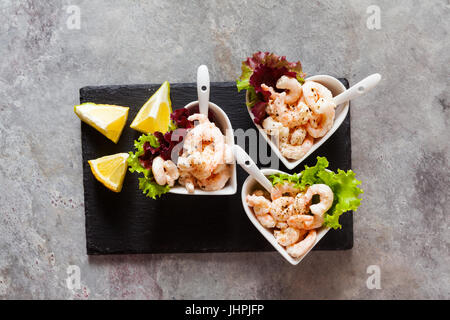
[155,113]
[108,119]
[110,170]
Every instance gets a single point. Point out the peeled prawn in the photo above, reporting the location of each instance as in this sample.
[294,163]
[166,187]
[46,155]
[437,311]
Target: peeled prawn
[276,129]
[282,189]
[313,91]
[293,87]
[216,181]
[297,152]
[295,115]
[172,173]
[207,133]
[321,123]
[287,236]
[300,204]
[187,180]
[297,136]
[261,208]
[271,126]
[281,208]
[326,198]
[300,221]
[299,249]
[281,225]
[164,172]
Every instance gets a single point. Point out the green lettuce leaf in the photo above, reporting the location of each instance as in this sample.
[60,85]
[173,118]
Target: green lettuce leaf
[243,82]
[343,184]
[309,176]
[346,192]
[147,183]
[133,160]
[151,189]
[252,97]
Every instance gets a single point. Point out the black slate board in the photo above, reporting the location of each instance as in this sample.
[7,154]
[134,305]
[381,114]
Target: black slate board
[128,222]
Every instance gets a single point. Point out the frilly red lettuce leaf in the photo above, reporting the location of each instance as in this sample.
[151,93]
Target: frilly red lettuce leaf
[267,68]
[275,65]
[269,76]
[259,111]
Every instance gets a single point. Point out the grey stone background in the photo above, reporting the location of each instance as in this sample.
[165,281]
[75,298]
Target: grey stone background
[399,131]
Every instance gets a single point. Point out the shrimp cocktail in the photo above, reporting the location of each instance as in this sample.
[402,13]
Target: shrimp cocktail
[291,110]
[299,206]
[192,153]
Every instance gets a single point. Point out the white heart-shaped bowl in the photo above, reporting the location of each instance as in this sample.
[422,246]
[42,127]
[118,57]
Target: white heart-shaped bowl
[223,123]
[336,87]
[249,186]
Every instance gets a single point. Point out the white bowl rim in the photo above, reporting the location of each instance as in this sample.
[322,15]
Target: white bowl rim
[341,112]
[266,232]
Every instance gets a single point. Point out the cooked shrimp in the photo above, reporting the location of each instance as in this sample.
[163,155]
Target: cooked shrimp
[187,180]
[204,134]
[277,106]
[276,129]
[326,198]
[317,222]
[259,193]
[287,236]
[164,172]
[273,93]
[299,249]
[294,115]
[313,91]
[271,126]
[266,220]
[199,117]
[281,225]
[297,152]
[282,189]
[300,205]
[172,173]
[284,135]
[298,135]
[321,123]
[216,181]
[198,164]
[158,171]
[293,87]
[261,208]
[281,208]
[259,203]
[300,221]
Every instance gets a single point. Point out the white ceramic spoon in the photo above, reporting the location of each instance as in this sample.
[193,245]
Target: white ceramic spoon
[203,89]
[358,89]
[250,166]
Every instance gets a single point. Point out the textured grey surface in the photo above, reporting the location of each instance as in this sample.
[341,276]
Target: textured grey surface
[399,131]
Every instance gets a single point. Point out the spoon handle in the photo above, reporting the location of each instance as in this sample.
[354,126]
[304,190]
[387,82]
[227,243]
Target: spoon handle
[203,89]
[358,89]
[250,166]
